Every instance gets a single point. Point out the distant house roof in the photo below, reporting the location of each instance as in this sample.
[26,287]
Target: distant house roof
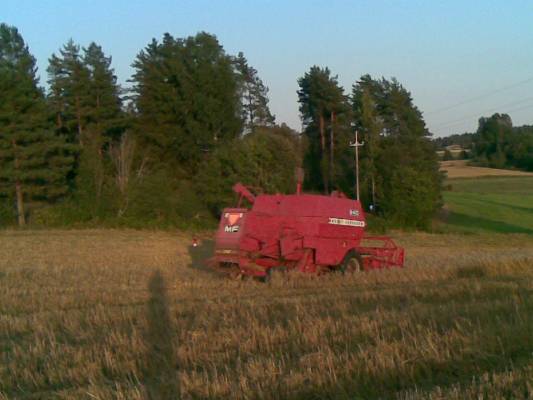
[454,147]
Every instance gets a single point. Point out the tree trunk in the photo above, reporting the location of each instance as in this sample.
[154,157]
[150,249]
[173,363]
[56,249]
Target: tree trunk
[123,156]
[78,118]
[99,172]
[97,138]
[20,204]
[97,113]
[323,148]
[331,147]
[61,110]
[250,111]
[322,136]
[18,188]
[373,191]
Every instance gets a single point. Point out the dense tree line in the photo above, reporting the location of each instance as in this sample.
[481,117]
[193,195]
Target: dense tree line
[195,120]
[144,156]
[496,143]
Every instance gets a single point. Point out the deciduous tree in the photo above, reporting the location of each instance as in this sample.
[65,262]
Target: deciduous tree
[266,159]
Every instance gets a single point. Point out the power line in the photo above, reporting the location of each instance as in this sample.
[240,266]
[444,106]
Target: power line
[482,96]
[505,112]
[467,117]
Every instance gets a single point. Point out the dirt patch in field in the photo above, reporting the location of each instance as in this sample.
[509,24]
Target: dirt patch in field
[460,169]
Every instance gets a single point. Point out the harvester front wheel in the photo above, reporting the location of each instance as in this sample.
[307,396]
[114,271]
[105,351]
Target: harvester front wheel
[236,275]
[267,277]
[352,263]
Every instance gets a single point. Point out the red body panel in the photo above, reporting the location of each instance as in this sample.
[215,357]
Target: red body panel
[302,231]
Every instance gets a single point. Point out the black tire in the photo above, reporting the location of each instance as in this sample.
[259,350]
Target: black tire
[267,277]
[352,263]
[236,275]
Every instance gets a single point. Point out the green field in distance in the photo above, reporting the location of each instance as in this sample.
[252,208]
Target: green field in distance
[495,204]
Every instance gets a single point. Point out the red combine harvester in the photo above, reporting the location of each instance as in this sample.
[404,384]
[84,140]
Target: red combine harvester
[304,232]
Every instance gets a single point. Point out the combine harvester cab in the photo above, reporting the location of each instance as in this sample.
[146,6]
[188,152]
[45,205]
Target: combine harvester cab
[304,232]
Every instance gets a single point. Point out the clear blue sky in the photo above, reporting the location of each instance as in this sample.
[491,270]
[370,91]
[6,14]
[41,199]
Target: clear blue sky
[444,52]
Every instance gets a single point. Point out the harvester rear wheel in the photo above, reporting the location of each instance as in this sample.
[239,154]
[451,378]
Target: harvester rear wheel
[352,263]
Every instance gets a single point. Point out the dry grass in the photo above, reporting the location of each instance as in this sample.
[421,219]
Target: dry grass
[460,169]
[130,315]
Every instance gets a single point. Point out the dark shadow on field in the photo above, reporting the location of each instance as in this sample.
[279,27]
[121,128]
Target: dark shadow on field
[161,368]
[468,221]
[503,344]
[510,206]
[201,254]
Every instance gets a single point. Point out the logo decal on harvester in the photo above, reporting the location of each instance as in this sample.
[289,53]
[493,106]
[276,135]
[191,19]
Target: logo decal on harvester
[233,217]
[346,222]
[354,213]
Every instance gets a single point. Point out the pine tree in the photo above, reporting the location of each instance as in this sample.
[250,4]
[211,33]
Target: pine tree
[254,96]
[85,97]
[69,82]
[322,103]
[186,95]
[104,106]
[104,119]
[34,162]
[84,94]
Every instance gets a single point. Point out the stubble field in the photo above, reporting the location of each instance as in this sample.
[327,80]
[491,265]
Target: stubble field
[460,169]
[108,314]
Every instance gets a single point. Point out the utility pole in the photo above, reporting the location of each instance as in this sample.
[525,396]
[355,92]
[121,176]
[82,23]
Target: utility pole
[356,144]
[331,150]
